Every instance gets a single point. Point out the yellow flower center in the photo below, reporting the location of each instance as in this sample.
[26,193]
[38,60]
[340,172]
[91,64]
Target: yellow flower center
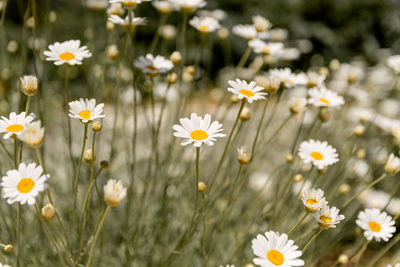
[152,67]
[247,93]
[325,219]
[266,50]
[311,201]
[198,135]
[316,155]
[374,226]
[25,185]
[324,100]
[85,114]
[129,4]
[67,56]
[14,128]
[275,257]
[204,28]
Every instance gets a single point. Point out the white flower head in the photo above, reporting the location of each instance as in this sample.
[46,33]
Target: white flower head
[261,24]
[288,78]
[392,165]
[152,66]
[97,4]
[322,97]
[313,200]
[129,4]
[163,6]
[315,79]
[124,22]
[394,63]
[188,5]
[275,249]
[320,154]
[15,124]
[205,24]
[376,224]
[68,52]
[198,130]
[33,134]
[114,192]
[247,32]
[328,217]
[24,184]
[85,110]
[29,84]
[297,104]
[261,47]
[249,91]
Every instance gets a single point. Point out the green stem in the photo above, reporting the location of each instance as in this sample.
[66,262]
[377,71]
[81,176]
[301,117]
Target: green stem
[19,221]
[28,104]
[279,129]
[244,58]
[259,127]
[15,152]
[76,181]
[71,157]
[156,37]
[96,236]
[384,250]
[362,250]
[203,219]
[305,180]
[298,223]
[311,240]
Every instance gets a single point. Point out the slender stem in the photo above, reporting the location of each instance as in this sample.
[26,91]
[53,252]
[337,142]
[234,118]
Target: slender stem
[76,182]
[3,14]
[311,240]
[392,196]
[28,104]
[383,176]
[196,192]
[362,250]
[156,37]
[66,101]
[19,221]
[259,127]
[384,250]
[15,152]
[199,53]
[305,180]
[279,128]
[221,161]
[203,219]
[96,236]
[298,223]
[5,150]
[2,259]
[67,256]
[244,58]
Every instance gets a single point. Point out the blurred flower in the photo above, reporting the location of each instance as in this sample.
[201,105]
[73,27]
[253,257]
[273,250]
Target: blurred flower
[198,130]
[97,4]
[392,165]
[205,25]
[322,97]
[394,63]
[124,22]
[243,155]
[376,224]
[168,32]
[152,66]
[289,54]
[313,200]
[315,79]
[297,104]
[288,78]
[68,52]
[318,153]
[218,14]
[188,5]
[276,249]
[261,24]
[33,134]
[114,193]
[328,217]
[262,47]
[24,184]
[128,4]
[164,6]
[85,110]
[29,84]
[15,124]
[249,91]
[247,32]
[115,9]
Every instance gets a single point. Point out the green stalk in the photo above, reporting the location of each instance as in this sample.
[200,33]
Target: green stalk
[244,58]
[311,240]
[298,223]
[19,221]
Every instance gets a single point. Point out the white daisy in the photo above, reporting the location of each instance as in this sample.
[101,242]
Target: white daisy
[328,217]
[297,104]
[313,200]
[129,4]
[124,22]
[250,91]
[97,4]
[319,153]
[163,6]
[396,265]
[275,249]
[261,24]
[262,47]
[114,192]
[218,14]
[198,130]
[392,165]
[376,224]
[24,184]
[68,52]
[288,78]
[188,5]
[314,79]
[14,125]
[205,25]
[247,32]
[151,65]
[394,63]
[33,134]
[85,110]
[322,97]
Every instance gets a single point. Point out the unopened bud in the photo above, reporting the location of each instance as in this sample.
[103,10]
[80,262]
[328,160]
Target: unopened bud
[88,155]
[29,85]
[201,187]
[361,153]
[190,69]
[244,155]
[334,65]
[343,259]
[48,212]
[245,115]
[289,158]
[8,248]
[104,164]
[172,78]
[298,178]
[359,130]
[110,25]
[223,33]
[324,115]
[344,189]
[112,51]
[234,99]
[176,58]
[97,126]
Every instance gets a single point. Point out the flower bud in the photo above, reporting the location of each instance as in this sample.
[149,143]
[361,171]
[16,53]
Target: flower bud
[234,99]
[112,51]
[176,58]
[104,164]
[8,248]
[297,104]
[360,154]
[245,115]
[289,158]
[334,64]
[324,115]
[244,155]
[298,178]
[201,187]
[223,33]
[29,85]
[97,126]
[359,130]
[88,155]
[48,212]
[343,259]
[344,189]
[110,25]
[172,78]
[114,192]
[392,166]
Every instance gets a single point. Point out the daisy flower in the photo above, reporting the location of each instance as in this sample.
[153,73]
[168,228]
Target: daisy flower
[249,91]
[322,97]
[68,52]
[198,130]
[394,63]
[152,66]
[218,14]
[33,134]
[188,5]
[124,22]
[320,154]
[205,25]
[128,4]
[163,6]
[314,79]
[313,200]
[14,125]
[24,184]
[97,4]
[261,24]
[247,32]
[288,78]
[85,110]
[396,265]
[328,217]
[261,47]
[376,224]
[392,165]
[114,192]
[276,249]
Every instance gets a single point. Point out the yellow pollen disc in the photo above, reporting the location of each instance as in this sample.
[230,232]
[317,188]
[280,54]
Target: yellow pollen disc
[129,4]
[14,128]
[275,257]
[316,155]
[325,219]
[324,100]
[85,114]
[266,50]
[247,93]
[67,56]
[311,201]
[198,135]
[152,67]
[25,185]
[204,28]
[374,226]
